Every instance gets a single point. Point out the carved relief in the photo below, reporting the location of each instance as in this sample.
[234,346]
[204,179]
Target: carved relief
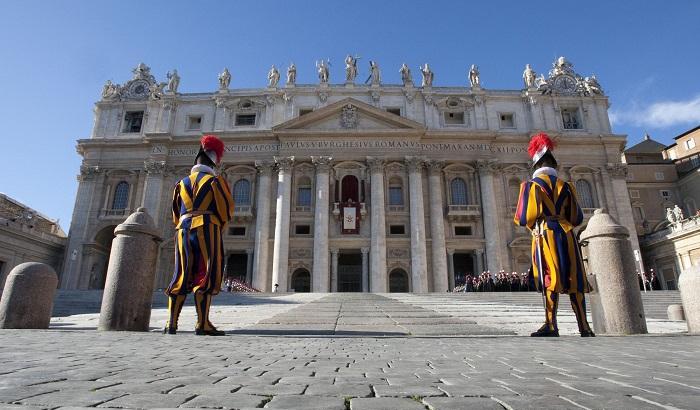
[397,253]
[348,116]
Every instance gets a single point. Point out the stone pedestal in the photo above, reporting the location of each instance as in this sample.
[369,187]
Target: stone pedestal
[689,285]
[126,302]
[612,262]
[27,300]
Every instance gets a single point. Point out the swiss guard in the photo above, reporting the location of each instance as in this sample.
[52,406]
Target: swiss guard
[547,206]
[202,205]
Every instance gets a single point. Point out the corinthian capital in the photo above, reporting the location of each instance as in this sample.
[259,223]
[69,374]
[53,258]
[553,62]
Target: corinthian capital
[88,172]
[323,164]
[435,166]
[264,167]
[487,166]
[154,167]
[284,163]
[415,164]
[375,164]
[618,170]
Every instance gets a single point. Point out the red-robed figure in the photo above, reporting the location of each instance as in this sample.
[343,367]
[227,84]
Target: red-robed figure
[547,206]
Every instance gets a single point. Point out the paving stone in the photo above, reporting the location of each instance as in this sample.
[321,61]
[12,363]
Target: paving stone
[306,402]
[78,398]
[461,403]
[340,390]
[408,390]
[15,394]
[148,400]
[273,390]
[226,401]
[385,403]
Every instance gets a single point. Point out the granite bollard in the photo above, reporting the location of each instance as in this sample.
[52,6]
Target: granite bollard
[675,312]
[126,303]
[689,285]
[27,300]
[611,260]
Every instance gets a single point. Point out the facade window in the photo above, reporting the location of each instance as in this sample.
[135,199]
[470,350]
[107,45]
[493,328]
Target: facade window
[634,193]
[302,230]
[304,111]
[665,194]
[395,192]
[514,191]
[689,143]
[463,230]
[194,122]
[454,118]
[304,192]
[121,196]
[241,192]
[570,118]
[237,231]
[245,120]
[507,120]
[395,111]
[659,176]
[585,194]
[132,121]
[397,229]
[458,189]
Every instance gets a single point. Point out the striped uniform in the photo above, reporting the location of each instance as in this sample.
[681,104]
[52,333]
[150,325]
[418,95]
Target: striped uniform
[548,203]
[202,205]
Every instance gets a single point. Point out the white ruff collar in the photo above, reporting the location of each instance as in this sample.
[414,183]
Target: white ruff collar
[202,168]
[545,170]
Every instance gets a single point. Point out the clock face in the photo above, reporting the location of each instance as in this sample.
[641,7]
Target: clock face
[138,88]
[565,84]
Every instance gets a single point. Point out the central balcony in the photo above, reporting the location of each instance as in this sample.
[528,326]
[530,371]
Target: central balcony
[463,212]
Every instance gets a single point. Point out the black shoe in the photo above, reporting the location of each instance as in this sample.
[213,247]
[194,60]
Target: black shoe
[211,332]
[169,330]
[587,333]
[545,331]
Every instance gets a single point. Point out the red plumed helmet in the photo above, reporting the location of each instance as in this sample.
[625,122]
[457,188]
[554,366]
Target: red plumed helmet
[539,145]
[214,144]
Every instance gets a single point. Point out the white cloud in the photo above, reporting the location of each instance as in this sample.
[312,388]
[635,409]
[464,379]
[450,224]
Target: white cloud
[660,114]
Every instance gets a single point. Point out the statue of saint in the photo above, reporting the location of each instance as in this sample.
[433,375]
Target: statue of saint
[224,79]
[474,76]
[529,76]
[323,71]
[110,91]
[155,91]
[273,77]
[374,74]
[350,68]
[670,216]
[427,76]
[405,75]
[291,74]
[592,85]
[678,213]
[173,81]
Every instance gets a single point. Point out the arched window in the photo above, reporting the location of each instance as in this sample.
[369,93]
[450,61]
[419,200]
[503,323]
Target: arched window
[585,194]
[121,196]
[513,191]
[395,191]
[304,192]
[241,192]
[458,188]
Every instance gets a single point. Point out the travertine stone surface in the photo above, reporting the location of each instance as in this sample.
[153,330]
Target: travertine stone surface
[126,304]
[612,262]
[689,285]
[27,300]
[675,312]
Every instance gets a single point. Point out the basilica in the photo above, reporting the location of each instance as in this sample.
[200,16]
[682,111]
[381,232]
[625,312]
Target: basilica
[343,186]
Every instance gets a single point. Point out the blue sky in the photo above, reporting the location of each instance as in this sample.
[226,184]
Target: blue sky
[56,55]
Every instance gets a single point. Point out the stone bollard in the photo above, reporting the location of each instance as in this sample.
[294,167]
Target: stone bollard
[27,300]
[611,260]
[126,302]
[689,285]
[675,312]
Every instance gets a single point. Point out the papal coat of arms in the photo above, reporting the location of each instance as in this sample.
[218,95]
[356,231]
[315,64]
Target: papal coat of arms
[348,116]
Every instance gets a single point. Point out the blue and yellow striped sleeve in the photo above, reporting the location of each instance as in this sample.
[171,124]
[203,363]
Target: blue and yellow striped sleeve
[223,199]
[176,204]
[529,205]
[575,214]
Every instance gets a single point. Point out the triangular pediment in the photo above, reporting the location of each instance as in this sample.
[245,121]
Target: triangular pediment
[348,115]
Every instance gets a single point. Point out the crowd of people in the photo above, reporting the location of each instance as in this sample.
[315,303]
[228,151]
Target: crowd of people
[231,284]
[500,282]
[648,281]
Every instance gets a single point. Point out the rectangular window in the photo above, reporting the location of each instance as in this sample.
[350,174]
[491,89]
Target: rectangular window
[304,196]
[634,193]
[395,195]
[454,118]
[395,111]
[665,194]
[194,122]
[304,111]
[689,143]
[507,120]
[659,176]
[236,231]
[570,118]
[397,230]
[302,229]
[133,121]
[463,230]
[245,120]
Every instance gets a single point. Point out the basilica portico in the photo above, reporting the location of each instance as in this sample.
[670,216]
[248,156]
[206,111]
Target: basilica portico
[366,188]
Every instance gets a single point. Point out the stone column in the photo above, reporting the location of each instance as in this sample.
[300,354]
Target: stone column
[437,229]
[334,270]
[479,253]
[419,265]
[689,286]
[489,214]
[153,189]
[261,275]
[618,173]
[616,303]
[365,269]
[320,267]
[280,254]
[600,191]
[220,114]
[377,258]
[249,266]
[451,267]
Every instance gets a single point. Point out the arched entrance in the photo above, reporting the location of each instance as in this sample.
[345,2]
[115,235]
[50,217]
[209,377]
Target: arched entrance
[236,266]
[398,281]
[98,259]
[301,280]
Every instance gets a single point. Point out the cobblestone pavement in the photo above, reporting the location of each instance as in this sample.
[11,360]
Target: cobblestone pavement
[269,365]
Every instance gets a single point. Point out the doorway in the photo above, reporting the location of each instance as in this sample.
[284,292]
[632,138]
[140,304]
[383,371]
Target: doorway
[398,281]
[350,272]
[464,266]
[236,266]
[301,280]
